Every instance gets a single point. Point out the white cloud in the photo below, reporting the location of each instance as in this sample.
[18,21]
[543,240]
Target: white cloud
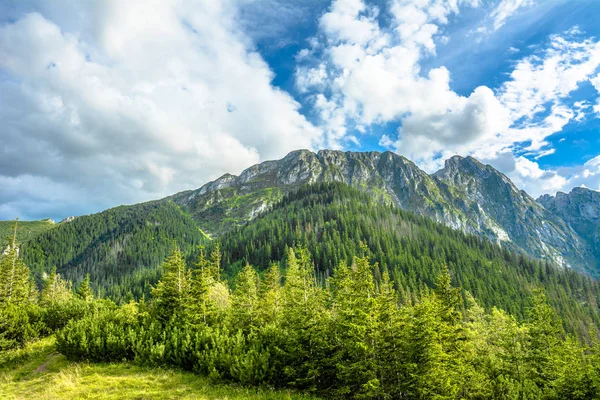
[311,78]
[373,75]
[537,80]
[586,175]
[534,180]
[505,9]
[142,100]
[596,82]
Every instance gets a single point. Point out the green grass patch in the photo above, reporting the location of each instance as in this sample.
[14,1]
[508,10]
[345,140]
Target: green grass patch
[39,372]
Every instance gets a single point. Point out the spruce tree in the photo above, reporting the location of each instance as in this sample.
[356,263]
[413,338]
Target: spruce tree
[210,297]
[85,291]
[245,312]
[172,294]
[271,303]
[15,285]
[305,324]
[544,331]
[356,322]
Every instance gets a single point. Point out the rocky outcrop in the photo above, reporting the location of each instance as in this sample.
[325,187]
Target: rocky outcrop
[580,209]
[465,195]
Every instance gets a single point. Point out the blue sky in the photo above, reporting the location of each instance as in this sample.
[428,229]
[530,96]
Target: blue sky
[108,103]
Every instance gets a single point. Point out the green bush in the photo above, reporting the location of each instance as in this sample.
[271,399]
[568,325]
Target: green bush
[105,334]
[18,325]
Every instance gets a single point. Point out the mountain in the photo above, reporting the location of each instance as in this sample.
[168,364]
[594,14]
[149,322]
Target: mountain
[581,210]
[335,222]
[121,248]
[465,195]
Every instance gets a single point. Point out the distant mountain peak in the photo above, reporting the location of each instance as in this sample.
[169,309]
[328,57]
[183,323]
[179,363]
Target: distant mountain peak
[466,194]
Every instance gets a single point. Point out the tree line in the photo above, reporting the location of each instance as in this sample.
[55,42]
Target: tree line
[350,335]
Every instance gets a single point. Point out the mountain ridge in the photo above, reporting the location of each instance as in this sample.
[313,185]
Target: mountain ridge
[465,194]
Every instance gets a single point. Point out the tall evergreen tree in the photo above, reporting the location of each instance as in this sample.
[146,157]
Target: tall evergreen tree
[544,331]
[270,293]
[15,284]
[245,312]
[172,294]
[356,321]
[305,323]
[85,291]
[210,296]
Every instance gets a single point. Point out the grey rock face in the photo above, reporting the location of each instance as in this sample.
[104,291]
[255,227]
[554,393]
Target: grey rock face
[465,195]
[580,209]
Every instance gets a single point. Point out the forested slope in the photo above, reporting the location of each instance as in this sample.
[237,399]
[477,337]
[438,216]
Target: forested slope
[120,248]
[389,323]
[26,230]
[331,220]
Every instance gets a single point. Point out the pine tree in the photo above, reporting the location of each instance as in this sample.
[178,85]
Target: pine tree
[357,324]
[305,324]
[544,332]
[85,291]
[210,296]
[244,310]
[271,303]
[15,285]
[172,294]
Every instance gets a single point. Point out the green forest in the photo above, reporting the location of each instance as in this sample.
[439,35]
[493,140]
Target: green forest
[121,248]
[26,230]
[328,293]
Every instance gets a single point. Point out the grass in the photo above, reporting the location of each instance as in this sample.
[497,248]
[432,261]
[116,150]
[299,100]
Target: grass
[39,372]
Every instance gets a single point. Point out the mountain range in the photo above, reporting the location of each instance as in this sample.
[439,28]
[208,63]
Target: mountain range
[465,195]
[123,247]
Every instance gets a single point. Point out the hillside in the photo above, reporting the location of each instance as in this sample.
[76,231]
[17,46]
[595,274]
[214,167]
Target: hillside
[120,248]
[465,195]
[348,297]
[39,372]
[331,220]
[26,230]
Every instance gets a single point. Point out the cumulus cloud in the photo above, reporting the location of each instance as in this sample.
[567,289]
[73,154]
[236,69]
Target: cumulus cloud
[139,100]
[587,175]
[111,102]
[373,74]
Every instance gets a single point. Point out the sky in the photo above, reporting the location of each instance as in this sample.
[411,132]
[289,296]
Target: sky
[107,102]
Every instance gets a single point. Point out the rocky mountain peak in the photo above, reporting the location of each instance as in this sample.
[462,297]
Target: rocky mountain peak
[466,194]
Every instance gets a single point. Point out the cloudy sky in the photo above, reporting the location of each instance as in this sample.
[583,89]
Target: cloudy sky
[113,102]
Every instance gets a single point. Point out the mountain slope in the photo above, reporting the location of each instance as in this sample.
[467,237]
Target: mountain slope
[120,248]
[581,210]
[26,230]
[465,195]
[504,213]
[332,220]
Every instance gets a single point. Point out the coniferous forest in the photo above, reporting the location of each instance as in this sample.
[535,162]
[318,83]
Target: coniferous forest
[328,292]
